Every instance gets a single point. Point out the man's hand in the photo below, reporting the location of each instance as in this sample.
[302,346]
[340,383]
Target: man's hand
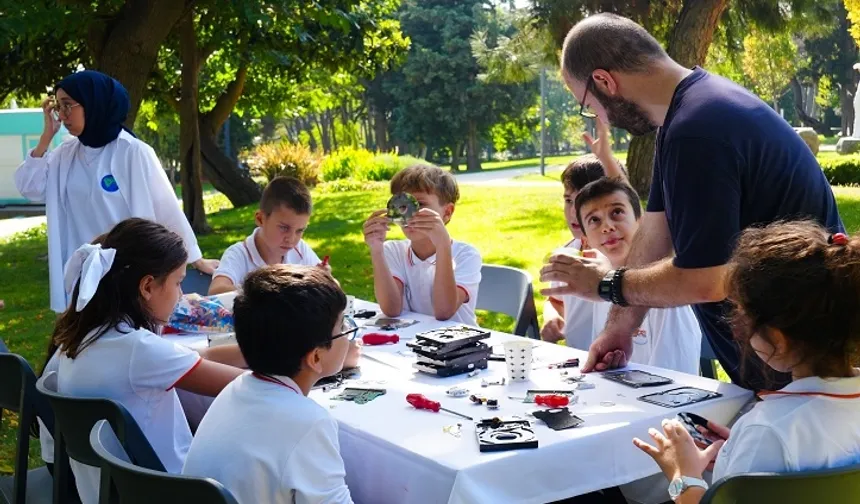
[581,274]
[675,453]
[609,351]
[430,223]
[376,229]
[553,330]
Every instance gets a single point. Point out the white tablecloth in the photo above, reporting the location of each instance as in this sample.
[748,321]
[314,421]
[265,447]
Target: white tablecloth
[396,454]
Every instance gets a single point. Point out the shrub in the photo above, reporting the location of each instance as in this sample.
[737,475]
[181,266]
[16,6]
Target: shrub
[843,170]
[349,185]
[345,163]
[285,159]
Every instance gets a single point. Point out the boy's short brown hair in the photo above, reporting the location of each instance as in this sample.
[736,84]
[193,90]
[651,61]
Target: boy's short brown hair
[604,187]
[427,179]
[581,172]
[288,192]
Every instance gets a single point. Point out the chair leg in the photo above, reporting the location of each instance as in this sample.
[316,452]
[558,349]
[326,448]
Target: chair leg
[61,470]
[19,487]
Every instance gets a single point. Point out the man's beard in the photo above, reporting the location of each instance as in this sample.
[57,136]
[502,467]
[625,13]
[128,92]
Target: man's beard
[625,114]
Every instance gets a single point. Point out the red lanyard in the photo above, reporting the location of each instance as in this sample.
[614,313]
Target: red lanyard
[272,379]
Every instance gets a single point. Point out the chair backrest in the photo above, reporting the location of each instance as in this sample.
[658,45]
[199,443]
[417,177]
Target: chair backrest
[138,485]
[509,290]
[827,485]
[75,416]
[196,282]
[18,394]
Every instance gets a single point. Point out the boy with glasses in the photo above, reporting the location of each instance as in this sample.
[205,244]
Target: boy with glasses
[263,438]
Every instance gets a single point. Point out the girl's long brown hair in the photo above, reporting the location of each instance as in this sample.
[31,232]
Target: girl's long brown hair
[143,248]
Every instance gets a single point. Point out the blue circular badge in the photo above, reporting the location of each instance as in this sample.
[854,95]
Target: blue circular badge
[109,184]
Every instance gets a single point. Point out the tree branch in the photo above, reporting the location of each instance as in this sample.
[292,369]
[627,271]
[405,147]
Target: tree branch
[216,117]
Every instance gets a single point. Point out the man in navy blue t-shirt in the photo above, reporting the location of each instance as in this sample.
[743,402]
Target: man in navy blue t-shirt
[724,161]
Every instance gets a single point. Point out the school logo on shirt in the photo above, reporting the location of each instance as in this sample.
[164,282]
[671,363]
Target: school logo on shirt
[109,184]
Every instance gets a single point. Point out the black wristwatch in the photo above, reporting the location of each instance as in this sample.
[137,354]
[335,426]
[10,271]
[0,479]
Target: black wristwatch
[609,289]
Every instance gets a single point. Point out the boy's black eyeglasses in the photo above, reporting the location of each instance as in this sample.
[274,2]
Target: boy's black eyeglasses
[349,328]
[582,111]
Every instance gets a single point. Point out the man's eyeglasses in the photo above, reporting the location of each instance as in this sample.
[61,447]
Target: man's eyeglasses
[582,110]
[349,328]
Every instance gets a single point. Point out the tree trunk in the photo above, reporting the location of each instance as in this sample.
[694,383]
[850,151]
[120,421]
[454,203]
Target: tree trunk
[805,118]
[455,156]
[845,79]
[846,103]
[228,178]
[309,128]
[380,130]
[328,118]
[688,45]
[473,148]
[324,133]
[189,129]
[126,48]
[267,128]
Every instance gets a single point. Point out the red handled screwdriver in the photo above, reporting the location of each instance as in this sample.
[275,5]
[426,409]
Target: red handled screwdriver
[379,339]
[421,402]
[553,401]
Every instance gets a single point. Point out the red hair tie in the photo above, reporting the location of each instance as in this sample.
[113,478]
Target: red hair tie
[838,239]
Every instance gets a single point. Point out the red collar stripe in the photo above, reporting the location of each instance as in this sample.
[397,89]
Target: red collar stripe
[271,379]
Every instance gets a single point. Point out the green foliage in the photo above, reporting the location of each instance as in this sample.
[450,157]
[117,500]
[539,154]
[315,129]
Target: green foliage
[770,61]
[345,163]
[842,170]
[285,159]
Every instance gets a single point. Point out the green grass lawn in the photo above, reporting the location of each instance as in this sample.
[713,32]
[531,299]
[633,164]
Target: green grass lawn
[535,161]
[511,226]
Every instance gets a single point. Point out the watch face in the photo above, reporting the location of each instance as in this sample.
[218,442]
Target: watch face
[676,487]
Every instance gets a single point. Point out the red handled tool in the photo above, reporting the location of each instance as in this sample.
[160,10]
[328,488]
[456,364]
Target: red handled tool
[421,402]
[324,262]
[379,339]
[553,400]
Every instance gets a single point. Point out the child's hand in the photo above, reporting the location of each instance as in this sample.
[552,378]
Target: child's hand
[376,229]
[553,330]
[714,432]
[207,266]
[430,223]
[602,145]
[676,453]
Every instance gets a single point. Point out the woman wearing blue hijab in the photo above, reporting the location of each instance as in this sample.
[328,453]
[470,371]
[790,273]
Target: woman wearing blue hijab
[97,178]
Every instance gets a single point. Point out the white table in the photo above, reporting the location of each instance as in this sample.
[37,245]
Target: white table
[396,454]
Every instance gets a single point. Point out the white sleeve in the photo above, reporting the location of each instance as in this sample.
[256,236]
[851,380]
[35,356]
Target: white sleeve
[467,270]
[310,258]
[395,259]
[753,448]
[31,177]
[151,196]
[157,363]
[315,469]
[233,264]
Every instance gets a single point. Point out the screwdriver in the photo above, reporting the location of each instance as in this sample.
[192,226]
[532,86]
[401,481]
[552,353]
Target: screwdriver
[421,402]
[379,339]
[553,400]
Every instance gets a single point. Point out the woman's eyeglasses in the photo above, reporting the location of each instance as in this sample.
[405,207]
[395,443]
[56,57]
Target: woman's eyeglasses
[63,108]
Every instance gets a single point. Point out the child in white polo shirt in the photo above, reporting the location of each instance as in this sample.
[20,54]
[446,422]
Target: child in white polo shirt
[608,210]
[263,438]
[796,291]
[567,316]
[428,272]
[123,289]
[285,209]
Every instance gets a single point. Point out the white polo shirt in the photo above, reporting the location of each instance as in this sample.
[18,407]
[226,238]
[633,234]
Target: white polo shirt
[810,424]
[417,277]
[269,444]
[578,313]
[242,258]
[668,338]
[137,369]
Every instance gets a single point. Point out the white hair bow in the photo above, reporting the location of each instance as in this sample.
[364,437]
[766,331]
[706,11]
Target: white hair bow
[90,263]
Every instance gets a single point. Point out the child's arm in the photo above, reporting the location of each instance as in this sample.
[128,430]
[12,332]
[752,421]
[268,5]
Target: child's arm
[220,285]
[553,327]
[447,298]
[388,291]
[225,354]
[602,148]
[352,356]
[208,378]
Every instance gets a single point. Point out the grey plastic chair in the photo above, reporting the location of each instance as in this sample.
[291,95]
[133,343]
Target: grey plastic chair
[509,290]
[708,360]
[74,418]
[137,485]
[18,394]
[825,486]
[196,282]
